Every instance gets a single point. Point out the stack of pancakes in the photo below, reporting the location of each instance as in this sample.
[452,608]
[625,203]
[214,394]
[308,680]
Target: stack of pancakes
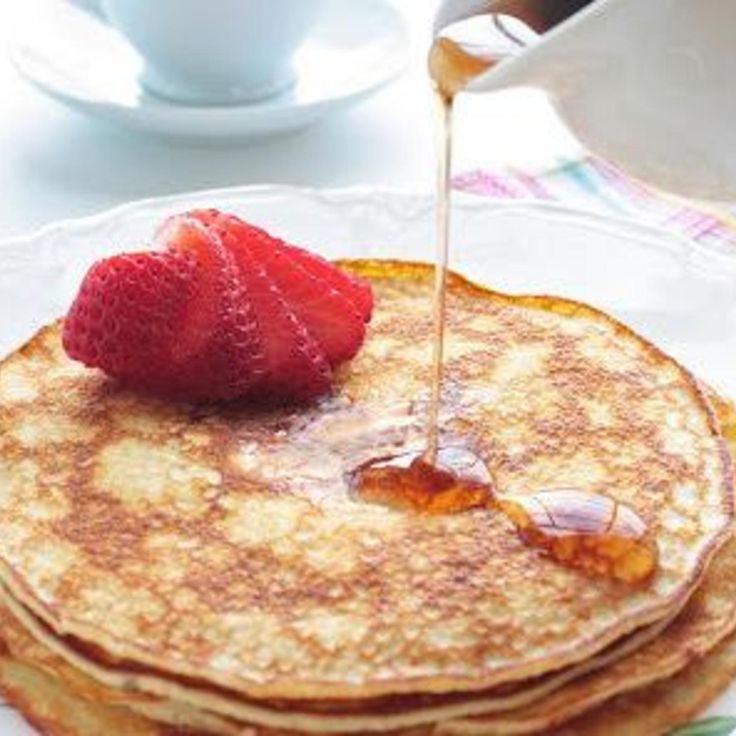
[175,569]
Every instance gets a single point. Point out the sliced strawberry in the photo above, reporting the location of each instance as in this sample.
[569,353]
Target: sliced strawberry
[185,235]
[222,311]
[331,318]
[352,287]
[220,344]
[175,322]
[296,365]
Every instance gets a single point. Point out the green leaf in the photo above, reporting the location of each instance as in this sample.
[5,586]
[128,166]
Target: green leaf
[718,726]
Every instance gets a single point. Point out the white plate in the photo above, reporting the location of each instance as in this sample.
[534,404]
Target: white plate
[80,61]
[680,294]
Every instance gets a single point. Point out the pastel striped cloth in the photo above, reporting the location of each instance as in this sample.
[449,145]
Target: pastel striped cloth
[594,184]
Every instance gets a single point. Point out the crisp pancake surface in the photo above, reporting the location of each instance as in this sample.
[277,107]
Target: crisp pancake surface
[65,702]
[652,711]
[708,617]
[226,544]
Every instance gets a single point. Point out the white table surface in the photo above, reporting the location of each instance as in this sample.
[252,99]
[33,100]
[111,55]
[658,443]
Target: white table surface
[57,164]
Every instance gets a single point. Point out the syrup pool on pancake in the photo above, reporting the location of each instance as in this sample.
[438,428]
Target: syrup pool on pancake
[582,529]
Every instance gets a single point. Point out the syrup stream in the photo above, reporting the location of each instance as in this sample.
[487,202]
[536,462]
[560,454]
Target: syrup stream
[443,106]
[451,67]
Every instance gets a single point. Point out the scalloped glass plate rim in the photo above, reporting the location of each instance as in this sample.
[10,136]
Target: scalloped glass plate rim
[460,200]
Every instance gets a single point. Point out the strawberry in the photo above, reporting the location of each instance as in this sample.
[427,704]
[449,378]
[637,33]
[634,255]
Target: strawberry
[294,359]
[221,310]
[353,287]
[173,322]
[136,299]
[333,305]
[218,351]
[332,317]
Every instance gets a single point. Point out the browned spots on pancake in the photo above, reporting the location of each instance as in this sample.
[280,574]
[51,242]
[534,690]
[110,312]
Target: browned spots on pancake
[104,529]
[246,524]
[247,581]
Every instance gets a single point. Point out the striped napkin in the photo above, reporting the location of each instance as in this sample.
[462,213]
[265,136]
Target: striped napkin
[593,184]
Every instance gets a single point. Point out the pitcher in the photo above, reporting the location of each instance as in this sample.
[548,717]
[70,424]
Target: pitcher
[647,84]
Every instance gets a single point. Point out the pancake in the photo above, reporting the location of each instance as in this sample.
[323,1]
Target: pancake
[224,544]
[652,711]
[55,711]
[53,689]
[692,634]
[656,710]
[708,617]
[32,643]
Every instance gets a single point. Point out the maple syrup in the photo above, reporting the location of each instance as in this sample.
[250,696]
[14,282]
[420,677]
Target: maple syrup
[452,65]
[456,481]
[585,530]
[578,528]
[581,529]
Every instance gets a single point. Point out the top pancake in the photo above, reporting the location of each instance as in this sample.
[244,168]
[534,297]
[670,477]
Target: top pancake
[224,543]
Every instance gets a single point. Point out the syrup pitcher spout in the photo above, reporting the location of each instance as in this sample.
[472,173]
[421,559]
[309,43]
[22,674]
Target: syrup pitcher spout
[646,85]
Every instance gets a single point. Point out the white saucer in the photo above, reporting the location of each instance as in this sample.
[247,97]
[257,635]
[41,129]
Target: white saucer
[83,63]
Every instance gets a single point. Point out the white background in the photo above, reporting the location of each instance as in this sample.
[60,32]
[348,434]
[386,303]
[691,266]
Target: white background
[55,164]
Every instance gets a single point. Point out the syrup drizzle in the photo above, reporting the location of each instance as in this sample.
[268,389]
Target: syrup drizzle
[457,480]
[452,66]
[580,529]
[584,530]
[439,306]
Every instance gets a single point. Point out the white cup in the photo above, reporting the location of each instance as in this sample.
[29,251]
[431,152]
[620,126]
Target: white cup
[214,52]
